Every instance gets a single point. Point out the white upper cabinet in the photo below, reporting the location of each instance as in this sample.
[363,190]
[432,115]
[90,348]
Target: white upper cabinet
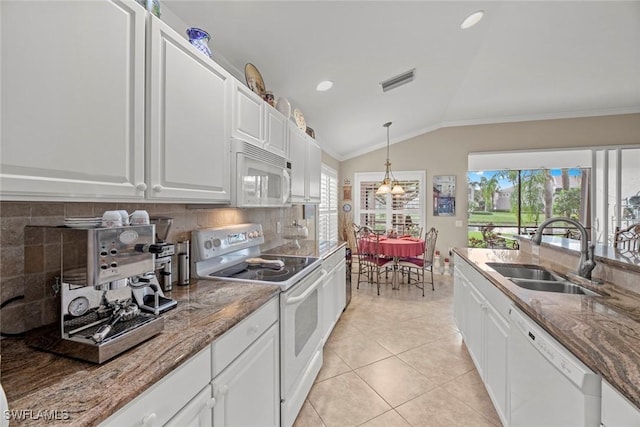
[276,138]
[256,122]
[306,166]
[72,100]
[314,169]
[188,138]
[248,115]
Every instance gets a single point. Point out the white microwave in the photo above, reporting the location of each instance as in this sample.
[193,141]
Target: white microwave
[259,178]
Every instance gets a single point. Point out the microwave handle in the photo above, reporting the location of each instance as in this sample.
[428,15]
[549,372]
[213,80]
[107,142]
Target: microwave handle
[286,197]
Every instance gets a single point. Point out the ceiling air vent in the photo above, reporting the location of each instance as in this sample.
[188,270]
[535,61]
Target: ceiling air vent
[398,80]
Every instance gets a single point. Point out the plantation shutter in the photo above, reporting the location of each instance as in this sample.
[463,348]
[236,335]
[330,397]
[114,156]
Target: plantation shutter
[328,209]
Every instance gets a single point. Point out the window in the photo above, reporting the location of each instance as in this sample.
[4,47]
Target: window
[507,202]
[386,211]
[328,209]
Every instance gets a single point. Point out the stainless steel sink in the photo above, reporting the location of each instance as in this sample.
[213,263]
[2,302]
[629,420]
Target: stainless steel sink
[563,287]
[538,278]
[524,271]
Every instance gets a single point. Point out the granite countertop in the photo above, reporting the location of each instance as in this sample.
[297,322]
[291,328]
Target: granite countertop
[603,331]
[308,248]
[90,393]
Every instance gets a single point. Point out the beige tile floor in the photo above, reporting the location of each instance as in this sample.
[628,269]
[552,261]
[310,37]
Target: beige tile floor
[398,360]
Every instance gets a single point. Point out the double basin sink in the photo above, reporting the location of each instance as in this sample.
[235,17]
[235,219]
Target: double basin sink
[538,278]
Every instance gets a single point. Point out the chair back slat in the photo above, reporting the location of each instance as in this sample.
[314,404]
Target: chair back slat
[628,239]
[430,244]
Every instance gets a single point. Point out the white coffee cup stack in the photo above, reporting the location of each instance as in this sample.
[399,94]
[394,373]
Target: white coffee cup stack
[140,217]
[111,219]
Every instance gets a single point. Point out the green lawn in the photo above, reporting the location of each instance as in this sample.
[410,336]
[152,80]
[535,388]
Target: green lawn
[498,218]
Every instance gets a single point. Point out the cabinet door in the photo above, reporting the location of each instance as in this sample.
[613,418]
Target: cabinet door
[341,285]
[248,115]
[314,170]
[276,140]
[298,156]
[496,378]
[474,324]
[460,290]
[197,413]
[72,100]
[329,292]
[247,392]
[188,146]
[617,411]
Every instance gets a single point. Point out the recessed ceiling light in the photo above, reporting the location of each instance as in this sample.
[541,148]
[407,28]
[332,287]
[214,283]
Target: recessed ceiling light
[472,19]
[324,85]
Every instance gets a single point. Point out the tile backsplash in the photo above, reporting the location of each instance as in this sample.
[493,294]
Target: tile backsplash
[29,260]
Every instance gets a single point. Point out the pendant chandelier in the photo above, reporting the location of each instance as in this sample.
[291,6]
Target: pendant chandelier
[389,184]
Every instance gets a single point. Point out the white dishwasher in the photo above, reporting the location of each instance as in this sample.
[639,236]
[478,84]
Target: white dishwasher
[549,386]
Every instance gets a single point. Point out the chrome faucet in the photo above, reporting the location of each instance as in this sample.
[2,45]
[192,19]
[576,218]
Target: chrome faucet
[587,264]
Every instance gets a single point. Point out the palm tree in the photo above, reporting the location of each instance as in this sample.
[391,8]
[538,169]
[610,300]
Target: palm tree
[488,188]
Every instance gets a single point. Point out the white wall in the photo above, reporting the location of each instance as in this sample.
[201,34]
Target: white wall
[445,151]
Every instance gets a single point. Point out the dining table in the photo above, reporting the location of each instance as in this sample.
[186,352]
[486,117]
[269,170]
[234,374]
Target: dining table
[395,248]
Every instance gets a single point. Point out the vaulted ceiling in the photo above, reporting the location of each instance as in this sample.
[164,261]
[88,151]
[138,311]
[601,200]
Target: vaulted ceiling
[524,60]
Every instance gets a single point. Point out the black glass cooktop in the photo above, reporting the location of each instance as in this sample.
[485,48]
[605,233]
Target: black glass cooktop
[268,272]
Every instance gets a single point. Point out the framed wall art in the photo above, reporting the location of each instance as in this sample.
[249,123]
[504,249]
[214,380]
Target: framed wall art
[444,195]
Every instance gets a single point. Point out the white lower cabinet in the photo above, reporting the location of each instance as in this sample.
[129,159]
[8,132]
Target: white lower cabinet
[334,290]
[617,411]
[247,392]
[167,397]
[197,413]
[233,382]
[495,370]
[480,312]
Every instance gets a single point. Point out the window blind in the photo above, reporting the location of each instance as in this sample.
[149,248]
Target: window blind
[328,208]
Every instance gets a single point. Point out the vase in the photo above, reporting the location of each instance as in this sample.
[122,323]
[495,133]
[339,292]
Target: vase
[199,38]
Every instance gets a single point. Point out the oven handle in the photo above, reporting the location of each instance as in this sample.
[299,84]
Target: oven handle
[305,294]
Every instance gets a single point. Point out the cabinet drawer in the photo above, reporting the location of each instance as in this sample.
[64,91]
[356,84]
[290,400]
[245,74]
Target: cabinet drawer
[162,401]
[230,345]
[333,260]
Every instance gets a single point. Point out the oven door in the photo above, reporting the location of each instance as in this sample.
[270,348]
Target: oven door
[301,320]
[260,183]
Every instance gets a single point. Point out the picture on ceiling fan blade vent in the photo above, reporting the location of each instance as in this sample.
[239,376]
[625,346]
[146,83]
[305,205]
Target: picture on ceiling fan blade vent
[254,79]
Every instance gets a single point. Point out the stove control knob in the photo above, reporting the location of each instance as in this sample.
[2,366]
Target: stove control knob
[208,244]
[217,243]
[252,235]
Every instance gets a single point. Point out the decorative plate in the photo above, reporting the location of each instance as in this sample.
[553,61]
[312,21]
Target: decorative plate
[346,207]
[299,118]
[284,107]
[254,79]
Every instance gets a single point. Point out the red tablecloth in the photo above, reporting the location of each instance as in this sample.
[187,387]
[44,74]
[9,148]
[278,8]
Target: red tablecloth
[402,247]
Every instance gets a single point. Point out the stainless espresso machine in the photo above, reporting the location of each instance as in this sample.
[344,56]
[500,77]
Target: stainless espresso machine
[110,299]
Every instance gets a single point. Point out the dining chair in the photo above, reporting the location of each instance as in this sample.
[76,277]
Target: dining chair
[421,264]
[371,263]
[628,239]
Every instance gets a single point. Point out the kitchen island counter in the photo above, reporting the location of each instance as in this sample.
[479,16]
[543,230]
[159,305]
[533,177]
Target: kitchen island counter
[602,331]
[82,393]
